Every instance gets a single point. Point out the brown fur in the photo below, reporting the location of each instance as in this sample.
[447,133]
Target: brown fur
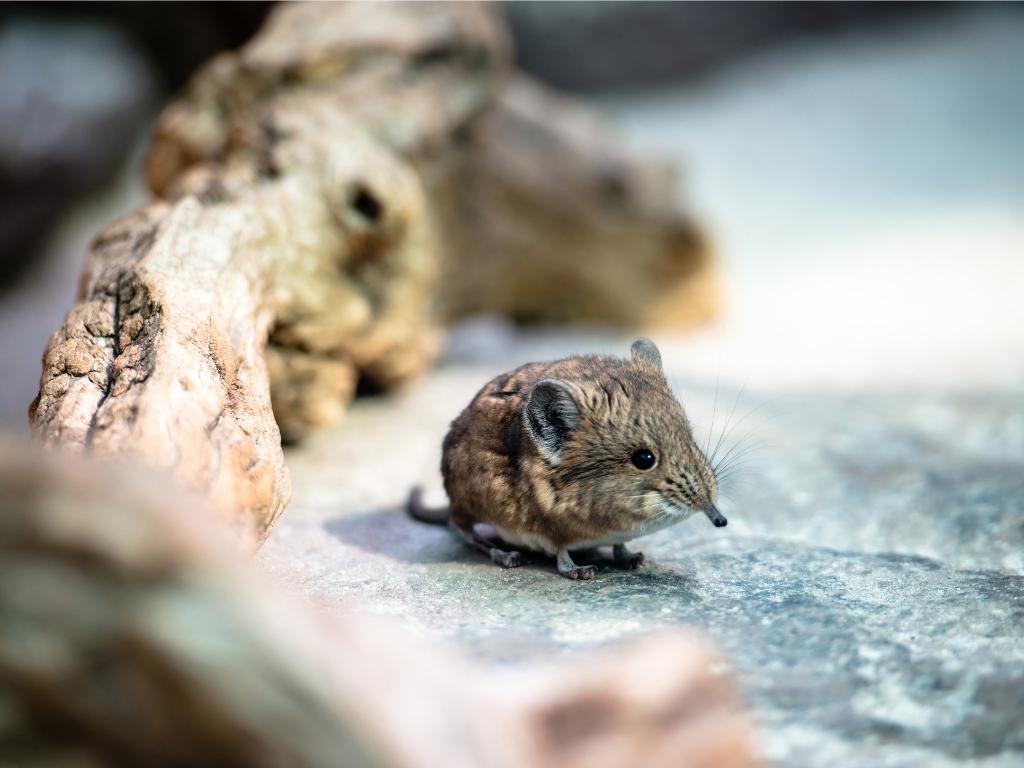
[497,472]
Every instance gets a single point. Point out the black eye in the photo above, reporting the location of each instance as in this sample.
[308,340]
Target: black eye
[643,459]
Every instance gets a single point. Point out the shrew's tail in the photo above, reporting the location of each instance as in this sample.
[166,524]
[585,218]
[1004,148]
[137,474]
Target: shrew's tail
[417,511]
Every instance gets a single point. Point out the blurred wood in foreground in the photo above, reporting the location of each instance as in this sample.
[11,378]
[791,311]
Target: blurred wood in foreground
[326,196]
[130,635]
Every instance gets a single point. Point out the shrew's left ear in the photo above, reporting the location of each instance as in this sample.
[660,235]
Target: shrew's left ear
[646,353]
[551,415]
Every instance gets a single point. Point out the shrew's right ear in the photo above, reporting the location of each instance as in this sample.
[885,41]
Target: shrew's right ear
[645,352]
[551,415]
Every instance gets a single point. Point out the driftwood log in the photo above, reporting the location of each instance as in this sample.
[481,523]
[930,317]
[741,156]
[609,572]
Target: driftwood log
[325,198]
[130,635]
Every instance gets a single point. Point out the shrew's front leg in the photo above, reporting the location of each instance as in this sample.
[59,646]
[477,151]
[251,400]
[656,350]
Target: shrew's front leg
[570,570]
[624,558]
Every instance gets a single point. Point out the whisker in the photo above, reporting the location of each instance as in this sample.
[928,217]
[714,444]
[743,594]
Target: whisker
[744,463]
[721,437]
[716,463]
[733,459]
[714,410]
[739,465]
[734,483]
[739,449]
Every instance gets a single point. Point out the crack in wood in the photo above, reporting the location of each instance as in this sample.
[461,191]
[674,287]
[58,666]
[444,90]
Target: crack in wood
[116,351]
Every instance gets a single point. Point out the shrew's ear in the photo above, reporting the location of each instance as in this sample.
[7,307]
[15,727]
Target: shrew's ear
[551,415]
[645,353]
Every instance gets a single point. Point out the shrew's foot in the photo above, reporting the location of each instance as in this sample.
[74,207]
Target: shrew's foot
[625,559]
[580,573]
[570,570]
[506,559]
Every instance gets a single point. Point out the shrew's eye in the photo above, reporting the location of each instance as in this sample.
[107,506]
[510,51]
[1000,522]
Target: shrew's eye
[643,459]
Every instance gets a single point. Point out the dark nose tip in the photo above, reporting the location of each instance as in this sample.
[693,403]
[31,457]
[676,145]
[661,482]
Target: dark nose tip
[715,516]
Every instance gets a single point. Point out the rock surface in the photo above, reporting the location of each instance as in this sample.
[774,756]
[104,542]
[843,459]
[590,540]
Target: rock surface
[73,93]
[869,587]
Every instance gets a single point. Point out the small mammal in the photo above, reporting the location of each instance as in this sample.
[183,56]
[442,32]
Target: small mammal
[574,454]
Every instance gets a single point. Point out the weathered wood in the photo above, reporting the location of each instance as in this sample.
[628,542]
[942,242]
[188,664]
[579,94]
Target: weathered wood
[559,220]
[325,196]
[130,635]
[286,225]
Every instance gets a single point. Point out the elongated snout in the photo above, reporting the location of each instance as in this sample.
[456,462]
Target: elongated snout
[715,516]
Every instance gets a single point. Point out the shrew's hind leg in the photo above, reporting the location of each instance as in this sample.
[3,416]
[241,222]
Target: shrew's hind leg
[504,558]
[570,570]
[624,558]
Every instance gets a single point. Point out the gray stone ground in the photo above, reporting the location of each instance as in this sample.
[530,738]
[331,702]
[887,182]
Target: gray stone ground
[869,590]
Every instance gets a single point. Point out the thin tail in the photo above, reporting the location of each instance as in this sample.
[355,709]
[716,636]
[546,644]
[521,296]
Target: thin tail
[417,511]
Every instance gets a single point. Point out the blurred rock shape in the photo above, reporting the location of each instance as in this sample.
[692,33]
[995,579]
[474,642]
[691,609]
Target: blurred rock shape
[73,97]
[603,46]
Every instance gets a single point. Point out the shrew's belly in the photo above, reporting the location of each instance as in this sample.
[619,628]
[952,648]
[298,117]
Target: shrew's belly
[657,524]
[541,543]
[534,541]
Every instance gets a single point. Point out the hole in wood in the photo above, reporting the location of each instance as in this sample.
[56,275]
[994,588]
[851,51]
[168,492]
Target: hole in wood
[366,204]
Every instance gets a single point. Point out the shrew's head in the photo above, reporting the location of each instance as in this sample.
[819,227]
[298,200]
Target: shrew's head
[613,427]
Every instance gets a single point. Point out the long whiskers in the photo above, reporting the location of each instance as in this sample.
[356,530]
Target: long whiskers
[729,458]
[735,453]
[721,437]
[714,411]
[731,466]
